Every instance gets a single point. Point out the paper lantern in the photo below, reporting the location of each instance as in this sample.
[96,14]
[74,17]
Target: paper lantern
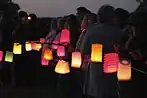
[42,40]
[96,54]
[17,48]
[76,60]
[124,70]
[65,36]
[38,46]
[33,45]
[48,54]
[44,62]
[111,61]
[61,51]
[62,67]
[1,55]
[55,46]
[9,56]
[28,46]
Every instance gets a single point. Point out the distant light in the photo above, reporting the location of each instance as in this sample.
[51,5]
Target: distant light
[29,18]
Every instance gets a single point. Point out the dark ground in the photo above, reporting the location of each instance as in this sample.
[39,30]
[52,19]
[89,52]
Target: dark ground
[46,87]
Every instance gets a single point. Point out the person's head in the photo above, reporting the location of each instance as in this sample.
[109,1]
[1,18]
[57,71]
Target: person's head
[23,15]
[121,17]
[33,17]
[106,14]
[53,24]
[138,20]
[60,23]
[81,11]
[72,23]
[88,19]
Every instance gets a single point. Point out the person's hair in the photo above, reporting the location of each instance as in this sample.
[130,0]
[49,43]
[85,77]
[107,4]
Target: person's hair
[22,14]
[106,13]
[74,27]
[53,24]
[33,16]
[138,19]
[122,14]
[61,22]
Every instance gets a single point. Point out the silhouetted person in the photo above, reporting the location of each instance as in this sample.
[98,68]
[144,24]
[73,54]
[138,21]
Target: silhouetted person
[101,85]
[121,17]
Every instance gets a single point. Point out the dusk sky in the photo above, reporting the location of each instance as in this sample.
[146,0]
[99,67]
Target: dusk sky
[51,8]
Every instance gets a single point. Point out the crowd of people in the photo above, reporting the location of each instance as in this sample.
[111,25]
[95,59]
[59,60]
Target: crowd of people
[118,30]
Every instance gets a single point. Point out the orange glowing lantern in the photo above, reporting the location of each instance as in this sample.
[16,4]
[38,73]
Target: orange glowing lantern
[76,60]
[48,54]
[61,51]
[55,46]
[62,67]
[42,40]
[17,48]
[28,46]
[9,56]
[44,62]
[111,61]
[1,55]
[124,70]
[65,36]
[96,55]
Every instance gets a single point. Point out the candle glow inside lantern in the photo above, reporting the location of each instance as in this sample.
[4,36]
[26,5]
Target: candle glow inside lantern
[1,55]
[62,67]
[96,54]
[61,51]
[9,56]
[28,46]
[111,61]
[76,60]
[48,54]
[44,62]
[17,48]
[124,70]
[65,36]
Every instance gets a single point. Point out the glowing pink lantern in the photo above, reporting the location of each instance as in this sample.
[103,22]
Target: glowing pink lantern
[65,36]
[33,45]
[1,55]
[44,62]
[76,60]
[61,51]
[42,40]
[111,61]
[55,46]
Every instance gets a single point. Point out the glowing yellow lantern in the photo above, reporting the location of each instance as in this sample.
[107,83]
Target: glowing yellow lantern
[96,54]
[28,46]
[124,70]
[38,46]
[76,60]
[17,48]
[9,56]
[62,67]
[48,54]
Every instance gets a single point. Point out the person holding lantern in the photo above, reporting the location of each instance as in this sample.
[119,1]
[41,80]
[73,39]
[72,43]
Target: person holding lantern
[105,34]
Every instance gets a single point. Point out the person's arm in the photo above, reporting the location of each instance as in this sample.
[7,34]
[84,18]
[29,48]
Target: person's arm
[85,48]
